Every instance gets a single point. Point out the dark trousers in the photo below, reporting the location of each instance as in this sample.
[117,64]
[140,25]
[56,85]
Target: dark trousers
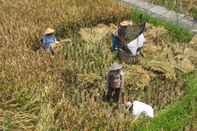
[114,94]
[115,42]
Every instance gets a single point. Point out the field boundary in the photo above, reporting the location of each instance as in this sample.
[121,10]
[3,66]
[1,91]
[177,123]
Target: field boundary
[164,14]
[175,116]
[177,32]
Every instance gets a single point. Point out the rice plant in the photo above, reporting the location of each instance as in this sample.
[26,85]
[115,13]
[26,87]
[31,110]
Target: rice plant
[65,92]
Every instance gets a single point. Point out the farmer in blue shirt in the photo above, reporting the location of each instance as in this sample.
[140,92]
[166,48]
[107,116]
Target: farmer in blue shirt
[118,36]
[49,40]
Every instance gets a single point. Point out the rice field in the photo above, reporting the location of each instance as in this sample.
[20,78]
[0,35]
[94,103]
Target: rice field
[65,92]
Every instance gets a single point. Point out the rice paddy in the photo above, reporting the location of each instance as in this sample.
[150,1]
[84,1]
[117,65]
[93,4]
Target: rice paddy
[65,92]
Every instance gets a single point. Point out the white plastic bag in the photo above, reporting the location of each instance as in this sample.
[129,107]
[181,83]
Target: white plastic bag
[139,107]
[135,44]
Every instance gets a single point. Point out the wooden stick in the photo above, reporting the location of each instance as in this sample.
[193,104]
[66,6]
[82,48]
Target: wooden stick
[64,40]
[58,43]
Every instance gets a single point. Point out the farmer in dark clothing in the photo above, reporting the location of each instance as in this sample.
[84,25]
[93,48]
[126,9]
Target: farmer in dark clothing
[118,37]
[115,82]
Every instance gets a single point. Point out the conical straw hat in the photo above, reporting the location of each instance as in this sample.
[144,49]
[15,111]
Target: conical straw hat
[126,23]
[115,66]
[49,31]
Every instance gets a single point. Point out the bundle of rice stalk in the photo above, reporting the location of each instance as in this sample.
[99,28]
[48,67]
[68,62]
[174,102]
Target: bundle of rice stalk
[155,34]
[194,39]
[90,80]
[151,49]
[137,78]
[96,33]
[12,120]
[193,42]
[162,67]
[185,65]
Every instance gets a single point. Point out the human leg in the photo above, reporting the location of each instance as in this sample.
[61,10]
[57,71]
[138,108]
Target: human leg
[114,43]
[117,93]
[109,93]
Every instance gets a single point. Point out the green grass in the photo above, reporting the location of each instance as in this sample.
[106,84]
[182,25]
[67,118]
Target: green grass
[175,117]
[177,33]
[178,5]
[194,12]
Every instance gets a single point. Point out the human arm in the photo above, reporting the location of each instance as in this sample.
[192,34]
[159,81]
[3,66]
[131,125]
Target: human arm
[122,79]
[121,35]
[107,80]
[122,39]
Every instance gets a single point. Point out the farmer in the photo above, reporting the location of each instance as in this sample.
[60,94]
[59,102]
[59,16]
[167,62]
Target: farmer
[49,40]
[137,108]
[115,82]
[118,37]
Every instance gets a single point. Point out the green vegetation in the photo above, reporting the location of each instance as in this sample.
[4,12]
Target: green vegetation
[194,12]
[183,6]
[177,33]
[178,115]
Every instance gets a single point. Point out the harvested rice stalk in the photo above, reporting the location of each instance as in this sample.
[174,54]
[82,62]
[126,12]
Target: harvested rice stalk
[97,33]
[136,77]
[185,65]
[90,80]
[155,34]
[162,67]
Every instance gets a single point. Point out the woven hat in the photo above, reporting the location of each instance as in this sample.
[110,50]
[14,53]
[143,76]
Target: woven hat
[126,23]
[49,31]
[115,66]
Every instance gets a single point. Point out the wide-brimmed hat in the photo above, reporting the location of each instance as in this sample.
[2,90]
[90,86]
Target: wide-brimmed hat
[49,31]
[115,66]
[126,23]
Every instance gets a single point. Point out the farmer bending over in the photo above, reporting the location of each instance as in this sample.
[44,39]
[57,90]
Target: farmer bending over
[137,108]
[118,37]
[115,82]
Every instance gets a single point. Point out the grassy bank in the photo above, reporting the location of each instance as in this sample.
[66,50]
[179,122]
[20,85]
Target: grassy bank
[183,6]
[177,33]
[177,116]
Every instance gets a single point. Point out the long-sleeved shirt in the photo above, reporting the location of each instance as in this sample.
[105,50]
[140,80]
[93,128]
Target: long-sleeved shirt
[109,80]
[135,44]
[48,40]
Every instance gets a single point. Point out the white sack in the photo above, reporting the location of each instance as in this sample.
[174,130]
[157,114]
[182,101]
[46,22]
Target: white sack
[139,107]
[135,44]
